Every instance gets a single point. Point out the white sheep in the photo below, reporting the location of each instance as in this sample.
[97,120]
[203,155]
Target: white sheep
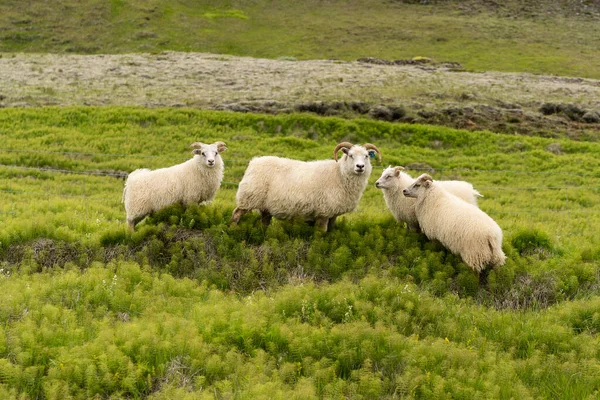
[194,181]
[316,190]
[461,227]
[393,181]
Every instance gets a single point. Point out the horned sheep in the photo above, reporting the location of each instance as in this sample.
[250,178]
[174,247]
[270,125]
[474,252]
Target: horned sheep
[394,180]
[316,190]
[461,227]
[193,181]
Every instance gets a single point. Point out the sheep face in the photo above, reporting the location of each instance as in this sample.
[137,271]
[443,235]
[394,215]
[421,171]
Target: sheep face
[209,153]
[390,178]
[417,189]
[356,160]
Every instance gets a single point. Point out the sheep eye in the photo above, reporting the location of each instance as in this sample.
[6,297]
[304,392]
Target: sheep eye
[388,177]
[351,156]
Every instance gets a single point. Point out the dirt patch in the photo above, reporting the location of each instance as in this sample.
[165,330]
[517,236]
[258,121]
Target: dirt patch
[418,90]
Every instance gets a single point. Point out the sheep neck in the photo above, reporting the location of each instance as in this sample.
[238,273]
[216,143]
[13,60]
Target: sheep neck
[429,197]
[352,183]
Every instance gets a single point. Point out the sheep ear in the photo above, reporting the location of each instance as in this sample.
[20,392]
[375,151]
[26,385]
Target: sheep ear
[427,183]
[196,145]
[397,170]
[196,151]
[345,150]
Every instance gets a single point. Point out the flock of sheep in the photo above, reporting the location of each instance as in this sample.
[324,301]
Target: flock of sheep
[320,191]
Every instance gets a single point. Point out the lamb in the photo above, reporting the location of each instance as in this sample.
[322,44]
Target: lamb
[317,190]
[461,227]
[394,180]
[194,181]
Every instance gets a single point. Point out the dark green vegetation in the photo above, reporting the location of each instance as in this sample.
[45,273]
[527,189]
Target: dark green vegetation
[187,307]
[533,36]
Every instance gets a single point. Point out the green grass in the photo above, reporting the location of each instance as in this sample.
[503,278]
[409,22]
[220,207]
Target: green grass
[187,307]
[125,332]
[549,43]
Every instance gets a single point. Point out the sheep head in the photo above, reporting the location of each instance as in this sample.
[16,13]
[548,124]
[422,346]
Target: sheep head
[356,160]
[389,178]
[419,186]
[209,153]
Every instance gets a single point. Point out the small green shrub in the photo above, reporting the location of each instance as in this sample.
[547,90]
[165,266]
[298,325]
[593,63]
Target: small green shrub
[532,241]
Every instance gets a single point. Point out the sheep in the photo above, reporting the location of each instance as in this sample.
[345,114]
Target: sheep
[319,191]
[393,180]
[194,181]
[461,227]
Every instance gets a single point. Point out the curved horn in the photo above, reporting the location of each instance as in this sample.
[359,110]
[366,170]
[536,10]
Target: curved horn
[196,145]
[340,146]
[425,177]
[221,147]
[370,146]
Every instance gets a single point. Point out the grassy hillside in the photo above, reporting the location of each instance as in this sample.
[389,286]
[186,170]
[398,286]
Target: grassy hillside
[539,37]
[188,307]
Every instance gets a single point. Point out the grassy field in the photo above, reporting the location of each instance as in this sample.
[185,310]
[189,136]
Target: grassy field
[187,307]
[540,37]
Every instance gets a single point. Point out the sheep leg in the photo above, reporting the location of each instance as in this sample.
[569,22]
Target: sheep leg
[132,222]
[331,223]
[265,217]
[237,214]
[483,277]
[321,223]
[130,225]
[413,228]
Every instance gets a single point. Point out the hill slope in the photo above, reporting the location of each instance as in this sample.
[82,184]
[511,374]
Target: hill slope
[539,37]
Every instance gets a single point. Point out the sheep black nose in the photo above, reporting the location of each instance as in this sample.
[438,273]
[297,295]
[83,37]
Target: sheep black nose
[405,192]
[360,166]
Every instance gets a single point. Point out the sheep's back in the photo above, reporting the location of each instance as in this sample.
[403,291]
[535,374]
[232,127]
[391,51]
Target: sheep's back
[286,187]
[454,222]
[461,189]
